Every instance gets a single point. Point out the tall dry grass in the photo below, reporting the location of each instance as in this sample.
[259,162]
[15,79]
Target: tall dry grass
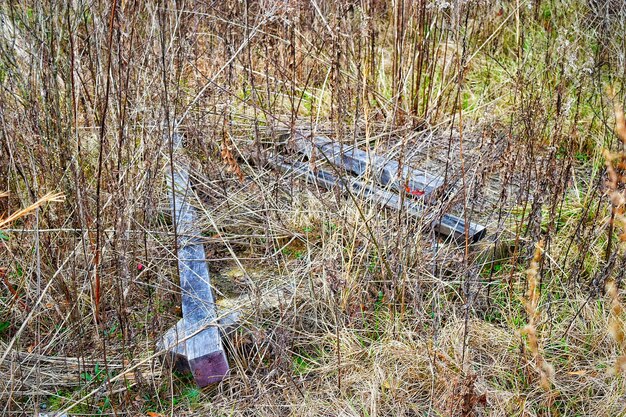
[615,166]
[346,309]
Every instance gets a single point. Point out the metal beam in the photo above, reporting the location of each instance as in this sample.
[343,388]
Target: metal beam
[447,224]
[196,339]
[387,173]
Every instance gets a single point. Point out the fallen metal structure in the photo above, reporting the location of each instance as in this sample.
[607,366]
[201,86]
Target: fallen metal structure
[349,167]
[195,342]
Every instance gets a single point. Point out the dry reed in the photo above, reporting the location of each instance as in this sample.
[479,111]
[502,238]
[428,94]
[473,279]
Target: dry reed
[615,162]
[533,312]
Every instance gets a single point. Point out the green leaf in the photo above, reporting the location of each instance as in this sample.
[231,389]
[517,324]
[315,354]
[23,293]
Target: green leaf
[192,394]
[4,325]
[4,236]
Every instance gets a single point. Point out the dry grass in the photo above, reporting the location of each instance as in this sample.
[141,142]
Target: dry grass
[531,303]
[346,309]
[615,166]
[48,198]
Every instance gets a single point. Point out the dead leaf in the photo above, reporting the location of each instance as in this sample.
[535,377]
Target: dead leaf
[581,372]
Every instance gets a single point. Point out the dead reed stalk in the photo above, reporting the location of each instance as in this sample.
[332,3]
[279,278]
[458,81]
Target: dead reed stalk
[531,304]
[615,164]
